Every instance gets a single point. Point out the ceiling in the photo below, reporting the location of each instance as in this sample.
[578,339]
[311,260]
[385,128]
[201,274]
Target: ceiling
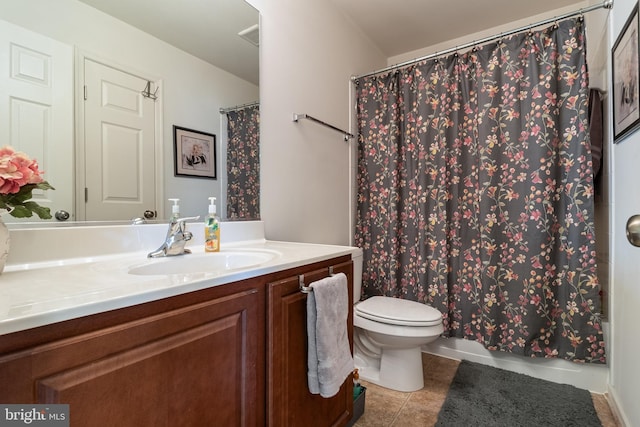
[395,27]
[401,26]
[207,29]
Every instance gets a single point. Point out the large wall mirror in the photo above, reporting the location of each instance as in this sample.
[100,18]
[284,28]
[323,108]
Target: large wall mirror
[94,89]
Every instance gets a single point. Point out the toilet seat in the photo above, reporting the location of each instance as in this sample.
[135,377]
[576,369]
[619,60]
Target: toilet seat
[395,311]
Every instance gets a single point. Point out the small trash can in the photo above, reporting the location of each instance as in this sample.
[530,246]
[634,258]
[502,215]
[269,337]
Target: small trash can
[358,406]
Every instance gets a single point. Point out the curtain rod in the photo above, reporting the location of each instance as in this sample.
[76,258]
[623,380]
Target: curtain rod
[239,107]
[608,4]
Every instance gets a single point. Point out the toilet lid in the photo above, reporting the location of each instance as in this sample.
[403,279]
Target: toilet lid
[395,311]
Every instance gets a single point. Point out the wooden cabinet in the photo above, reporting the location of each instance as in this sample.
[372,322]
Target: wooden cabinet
[193,360]
[197,359]
[289,401]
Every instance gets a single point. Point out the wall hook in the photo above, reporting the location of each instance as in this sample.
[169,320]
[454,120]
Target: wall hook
[146,92]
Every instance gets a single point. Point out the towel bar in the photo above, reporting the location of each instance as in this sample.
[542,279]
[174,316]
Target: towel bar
[306,289]
[345,134]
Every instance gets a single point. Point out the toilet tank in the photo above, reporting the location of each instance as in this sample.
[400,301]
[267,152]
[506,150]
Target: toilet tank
[356,256]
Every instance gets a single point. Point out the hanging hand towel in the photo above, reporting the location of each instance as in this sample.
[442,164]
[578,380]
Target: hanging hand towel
[329,354]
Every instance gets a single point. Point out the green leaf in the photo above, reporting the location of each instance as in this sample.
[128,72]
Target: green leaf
[44,185]
[21,196]
[20,205]
[21,212]
[42,212]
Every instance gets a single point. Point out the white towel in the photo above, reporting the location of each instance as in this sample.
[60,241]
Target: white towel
[329,354]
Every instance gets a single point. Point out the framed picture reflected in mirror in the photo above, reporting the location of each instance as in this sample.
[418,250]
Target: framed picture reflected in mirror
[194,153]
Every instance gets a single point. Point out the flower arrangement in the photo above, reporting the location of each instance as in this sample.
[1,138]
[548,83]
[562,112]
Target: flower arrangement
[19,176]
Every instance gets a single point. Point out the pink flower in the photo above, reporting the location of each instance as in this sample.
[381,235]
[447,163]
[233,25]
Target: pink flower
[17,170]
[19,176]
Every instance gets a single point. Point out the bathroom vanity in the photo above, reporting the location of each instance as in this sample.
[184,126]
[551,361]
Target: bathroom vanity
[213,348]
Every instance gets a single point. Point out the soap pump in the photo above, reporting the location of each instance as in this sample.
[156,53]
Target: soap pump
[212,228]
[175,209]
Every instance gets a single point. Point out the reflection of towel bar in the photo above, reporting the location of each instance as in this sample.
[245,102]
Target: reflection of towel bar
[306,289]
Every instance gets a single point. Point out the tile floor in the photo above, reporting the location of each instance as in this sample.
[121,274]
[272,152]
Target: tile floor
[384,407]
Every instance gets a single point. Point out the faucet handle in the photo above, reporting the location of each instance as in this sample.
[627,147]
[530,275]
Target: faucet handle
[190,218]
[139,220]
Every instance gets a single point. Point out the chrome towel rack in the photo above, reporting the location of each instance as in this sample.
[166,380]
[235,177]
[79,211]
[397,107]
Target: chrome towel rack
[306,289]
[346,135]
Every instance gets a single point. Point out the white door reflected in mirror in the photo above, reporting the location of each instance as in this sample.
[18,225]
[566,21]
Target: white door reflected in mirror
[36,109]
[119,144]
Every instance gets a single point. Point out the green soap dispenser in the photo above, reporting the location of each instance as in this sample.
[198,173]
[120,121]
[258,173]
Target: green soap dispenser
[212,229]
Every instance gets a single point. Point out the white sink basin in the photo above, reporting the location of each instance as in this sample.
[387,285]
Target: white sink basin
[216,262]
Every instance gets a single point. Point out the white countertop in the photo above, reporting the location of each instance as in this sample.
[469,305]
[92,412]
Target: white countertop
[37,294]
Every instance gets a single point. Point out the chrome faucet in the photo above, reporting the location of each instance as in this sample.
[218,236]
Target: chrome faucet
[177,237]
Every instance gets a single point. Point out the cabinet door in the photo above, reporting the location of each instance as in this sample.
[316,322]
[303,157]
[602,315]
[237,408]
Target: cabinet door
[288,398]
[198,365]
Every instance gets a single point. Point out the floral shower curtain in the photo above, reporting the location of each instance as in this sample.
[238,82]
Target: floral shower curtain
[243,164]
[475,193]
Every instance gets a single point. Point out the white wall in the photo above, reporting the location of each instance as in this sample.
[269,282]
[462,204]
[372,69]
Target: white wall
[596,25]
[308,53]
[193,90]
[625,291]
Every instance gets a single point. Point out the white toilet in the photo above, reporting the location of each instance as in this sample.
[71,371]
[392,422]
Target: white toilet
[389,333]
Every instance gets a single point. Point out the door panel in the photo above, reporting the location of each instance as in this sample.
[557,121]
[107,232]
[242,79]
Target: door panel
[118,186]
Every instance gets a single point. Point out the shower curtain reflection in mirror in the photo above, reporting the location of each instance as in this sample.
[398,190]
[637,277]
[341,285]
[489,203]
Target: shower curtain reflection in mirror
[243,164]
